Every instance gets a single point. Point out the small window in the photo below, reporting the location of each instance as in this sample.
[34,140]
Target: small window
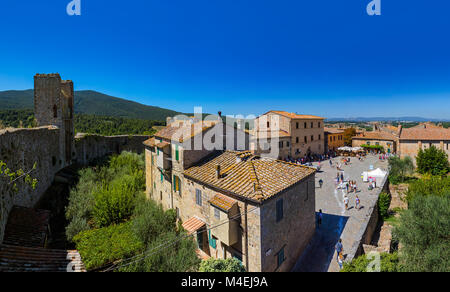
[312,138]
[55,111]
[296,125]
[306,126]
[280,257]
[318,124]
[268,125]
[279,210]
[320,136]
[306,139]
[296,140]
[287,143]
[312,125]
[198,197]
[281,144]
[216,213]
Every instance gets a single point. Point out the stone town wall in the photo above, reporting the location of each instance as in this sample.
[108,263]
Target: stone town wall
[90,147]
[20,149]
[367,230]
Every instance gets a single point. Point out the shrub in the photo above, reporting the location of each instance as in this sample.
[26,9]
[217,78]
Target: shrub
[428,186]
[424,233]
[389,263]
[115,203]
[432,161]
[399,169]
[170,252]
[150,220]
[220,265]
[81,203]
[102,246]
[383,205]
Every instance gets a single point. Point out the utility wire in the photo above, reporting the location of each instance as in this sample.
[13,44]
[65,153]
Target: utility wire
[171,243]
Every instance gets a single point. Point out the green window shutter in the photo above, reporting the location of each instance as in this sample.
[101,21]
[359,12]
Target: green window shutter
[212,241]
[177,153]
[174,183]
[162,177]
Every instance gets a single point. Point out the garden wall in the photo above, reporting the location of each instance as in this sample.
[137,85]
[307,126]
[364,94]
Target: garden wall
[90,147]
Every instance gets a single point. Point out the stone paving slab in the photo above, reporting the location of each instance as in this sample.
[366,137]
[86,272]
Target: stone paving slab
[337,222]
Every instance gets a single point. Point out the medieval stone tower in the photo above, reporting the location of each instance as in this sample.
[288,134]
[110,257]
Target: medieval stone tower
[53,105]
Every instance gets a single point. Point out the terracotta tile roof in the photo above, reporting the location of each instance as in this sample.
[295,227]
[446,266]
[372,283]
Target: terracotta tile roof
[222,202]
[376,135]
[270,134]
[247,175]
[150,142]
[27,227]
[425,134]
[26,259]
[162,145]
[333,130]
[427,125]
[182,131]
[193,224]
[296,116]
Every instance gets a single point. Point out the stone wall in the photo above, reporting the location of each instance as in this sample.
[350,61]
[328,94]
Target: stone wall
[20,149]
[367,230]
[90,147]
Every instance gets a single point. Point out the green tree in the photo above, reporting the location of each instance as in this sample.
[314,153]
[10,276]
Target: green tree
[428,186]
[221,265]
[348,134]
[424,233]
[400,168]
[389,263]
[384,201]
[432,161]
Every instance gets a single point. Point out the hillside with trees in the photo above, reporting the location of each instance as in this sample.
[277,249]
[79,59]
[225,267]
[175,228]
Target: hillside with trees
[90,102]
[92,124]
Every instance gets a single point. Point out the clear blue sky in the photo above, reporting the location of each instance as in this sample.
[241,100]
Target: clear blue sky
[324,57]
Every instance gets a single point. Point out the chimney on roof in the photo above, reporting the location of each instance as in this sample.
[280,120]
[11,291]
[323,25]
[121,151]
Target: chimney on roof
[218,171]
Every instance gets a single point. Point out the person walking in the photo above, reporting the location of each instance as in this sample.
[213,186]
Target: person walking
[319,218]
[357,202]
[346,202]
[340,260]
[320,183]
[339,248]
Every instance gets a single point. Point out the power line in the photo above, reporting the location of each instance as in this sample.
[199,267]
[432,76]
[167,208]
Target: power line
[171,243]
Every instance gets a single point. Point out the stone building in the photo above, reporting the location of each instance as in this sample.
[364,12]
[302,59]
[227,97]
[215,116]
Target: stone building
[422,137]
[334,138]
[288,135]
[388,140]
[259,210]
[53,105]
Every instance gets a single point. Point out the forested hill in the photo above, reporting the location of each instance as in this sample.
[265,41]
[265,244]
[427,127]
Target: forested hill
[90,102]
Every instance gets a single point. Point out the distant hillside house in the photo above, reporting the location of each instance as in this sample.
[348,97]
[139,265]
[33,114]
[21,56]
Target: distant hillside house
[297,135]
[258,210]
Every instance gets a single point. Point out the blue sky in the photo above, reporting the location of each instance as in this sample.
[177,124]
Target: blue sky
[324,57]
